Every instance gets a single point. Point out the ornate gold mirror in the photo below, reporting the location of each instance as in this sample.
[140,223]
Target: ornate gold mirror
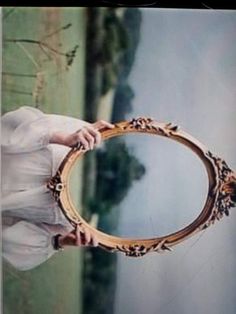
[220,196]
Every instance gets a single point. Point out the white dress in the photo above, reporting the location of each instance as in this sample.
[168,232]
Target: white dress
[30,216]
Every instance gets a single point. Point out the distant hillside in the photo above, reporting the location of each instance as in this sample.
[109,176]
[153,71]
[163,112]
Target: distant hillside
[113,36]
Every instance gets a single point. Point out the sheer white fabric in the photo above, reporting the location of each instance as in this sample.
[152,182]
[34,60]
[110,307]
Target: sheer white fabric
[30,216]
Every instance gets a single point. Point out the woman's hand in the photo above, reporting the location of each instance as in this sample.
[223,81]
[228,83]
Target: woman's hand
[88,136]
[78,237]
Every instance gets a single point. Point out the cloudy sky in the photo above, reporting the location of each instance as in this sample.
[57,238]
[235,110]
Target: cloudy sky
[185,72]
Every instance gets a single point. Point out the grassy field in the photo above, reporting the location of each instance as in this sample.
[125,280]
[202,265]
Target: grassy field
[34,76]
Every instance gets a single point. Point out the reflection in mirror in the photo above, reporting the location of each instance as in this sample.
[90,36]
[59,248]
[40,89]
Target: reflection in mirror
[139,186]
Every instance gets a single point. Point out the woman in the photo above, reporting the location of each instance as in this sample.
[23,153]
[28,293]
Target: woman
[33,146]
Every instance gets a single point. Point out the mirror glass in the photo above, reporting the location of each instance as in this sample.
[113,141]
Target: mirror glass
[139,185]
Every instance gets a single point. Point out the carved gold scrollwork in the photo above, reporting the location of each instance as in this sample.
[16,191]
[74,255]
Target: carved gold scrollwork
[221,191]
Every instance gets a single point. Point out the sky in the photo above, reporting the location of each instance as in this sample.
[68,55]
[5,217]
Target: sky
[184,72]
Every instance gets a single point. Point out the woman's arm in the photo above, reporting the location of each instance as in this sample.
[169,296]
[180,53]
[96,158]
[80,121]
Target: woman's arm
[28,129]
[26,245]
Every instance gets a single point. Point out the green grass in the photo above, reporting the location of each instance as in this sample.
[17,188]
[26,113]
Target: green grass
[55,286]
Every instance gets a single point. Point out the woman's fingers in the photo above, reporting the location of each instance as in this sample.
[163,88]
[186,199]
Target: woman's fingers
[94,241]
[87,237]
[84,237]
[81,139]
[103,124]
[78,240]
[88,136]
[96,135]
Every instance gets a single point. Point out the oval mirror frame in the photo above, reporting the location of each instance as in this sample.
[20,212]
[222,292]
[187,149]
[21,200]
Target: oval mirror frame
[220,197]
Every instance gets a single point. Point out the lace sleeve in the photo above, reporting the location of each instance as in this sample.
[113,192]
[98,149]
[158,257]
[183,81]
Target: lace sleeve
[24,130]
